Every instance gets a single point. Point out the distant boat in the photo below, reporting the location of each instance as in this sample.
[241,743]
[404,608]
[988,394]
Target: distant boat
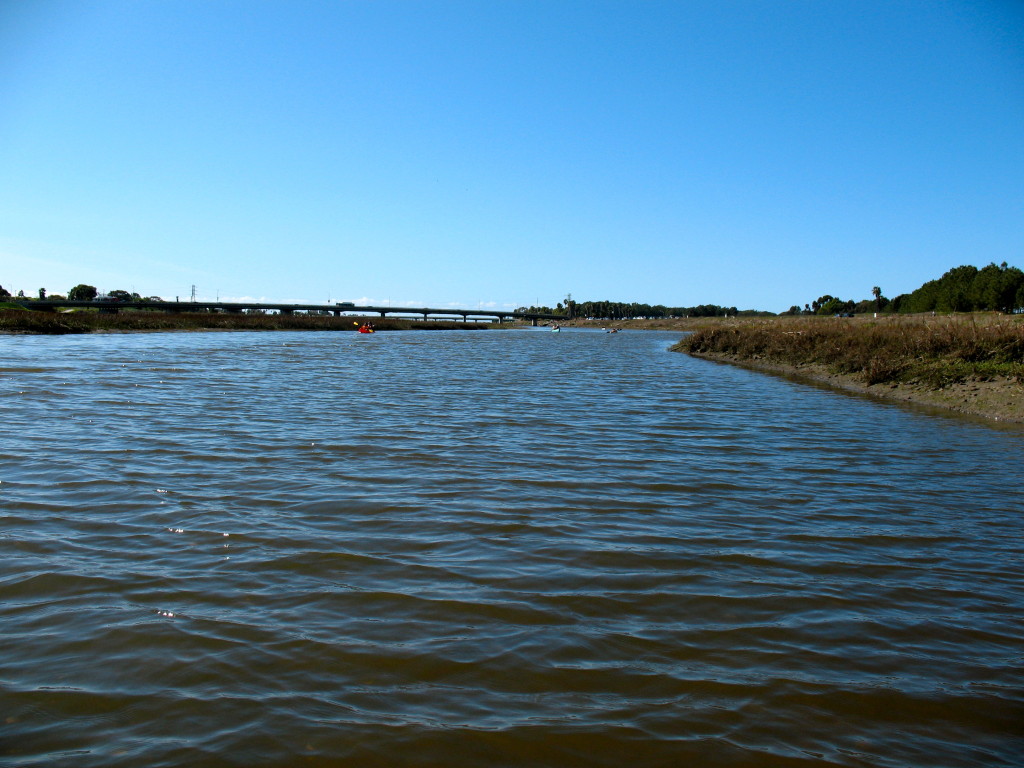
[555,329]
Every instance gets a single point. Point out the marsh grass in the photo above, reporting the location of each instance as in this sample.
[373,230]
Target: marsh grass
[933,351]
[20,321]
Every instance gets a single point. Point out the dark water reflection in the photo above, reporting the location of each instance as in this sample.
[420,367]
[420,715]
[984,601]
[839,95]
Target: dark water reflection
[493,548]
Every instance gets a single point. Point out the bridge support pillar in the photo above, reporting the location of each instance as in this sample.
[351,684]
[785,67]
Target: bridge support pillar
[535,322]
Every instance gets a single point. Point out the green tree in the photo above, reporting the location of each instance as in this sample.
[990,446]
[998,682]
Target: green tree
[570,306]
[4,293]
[995,288]
[834,306]
[82,292]
[955,290]
[1011,280]
[119,295]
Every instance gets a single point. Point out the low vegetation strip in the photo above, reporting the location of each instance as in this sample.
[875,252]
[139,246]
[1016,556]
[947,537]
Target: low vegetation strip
[953,361]
[22,321]
[935,352]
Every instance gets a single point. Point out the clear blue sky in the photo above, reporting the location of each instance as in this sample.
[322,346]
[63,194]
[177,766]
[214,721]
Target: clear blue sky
[755,153]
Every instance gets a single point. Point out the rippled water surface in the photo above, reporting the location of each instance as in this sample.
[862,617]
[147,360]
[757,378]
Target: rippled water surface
[493,548]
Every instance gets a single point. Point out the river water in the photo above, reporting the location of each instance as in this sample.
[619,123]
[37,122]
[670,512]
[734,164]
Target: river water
[493,548]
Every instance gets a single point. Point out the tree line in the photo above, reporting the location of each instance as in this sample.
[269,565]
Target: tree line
[82,292]
[961,289]
[629,310]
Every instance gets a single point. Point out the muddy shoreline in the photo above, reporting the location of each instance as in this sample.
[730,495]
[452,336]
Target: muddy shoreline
[1000,399]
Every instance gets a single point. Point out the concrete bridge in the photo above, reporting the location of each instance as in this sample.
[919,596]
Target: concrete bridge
[338,309]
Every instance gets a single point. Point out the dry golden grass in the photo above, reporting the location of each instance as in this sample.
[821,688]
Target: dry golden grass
[931,350]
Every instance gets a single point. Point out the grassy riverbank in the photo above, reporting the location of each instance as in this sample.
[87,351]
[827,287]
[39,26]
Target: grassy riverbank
[973,364]
[21,321]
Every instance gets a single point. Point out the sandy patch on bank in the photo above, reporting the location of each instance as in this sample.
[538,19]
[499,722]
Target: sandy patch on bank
[1000,399]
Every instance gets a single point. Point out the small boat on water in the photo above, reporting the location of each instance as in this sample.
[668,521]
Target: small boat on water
[555,329]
